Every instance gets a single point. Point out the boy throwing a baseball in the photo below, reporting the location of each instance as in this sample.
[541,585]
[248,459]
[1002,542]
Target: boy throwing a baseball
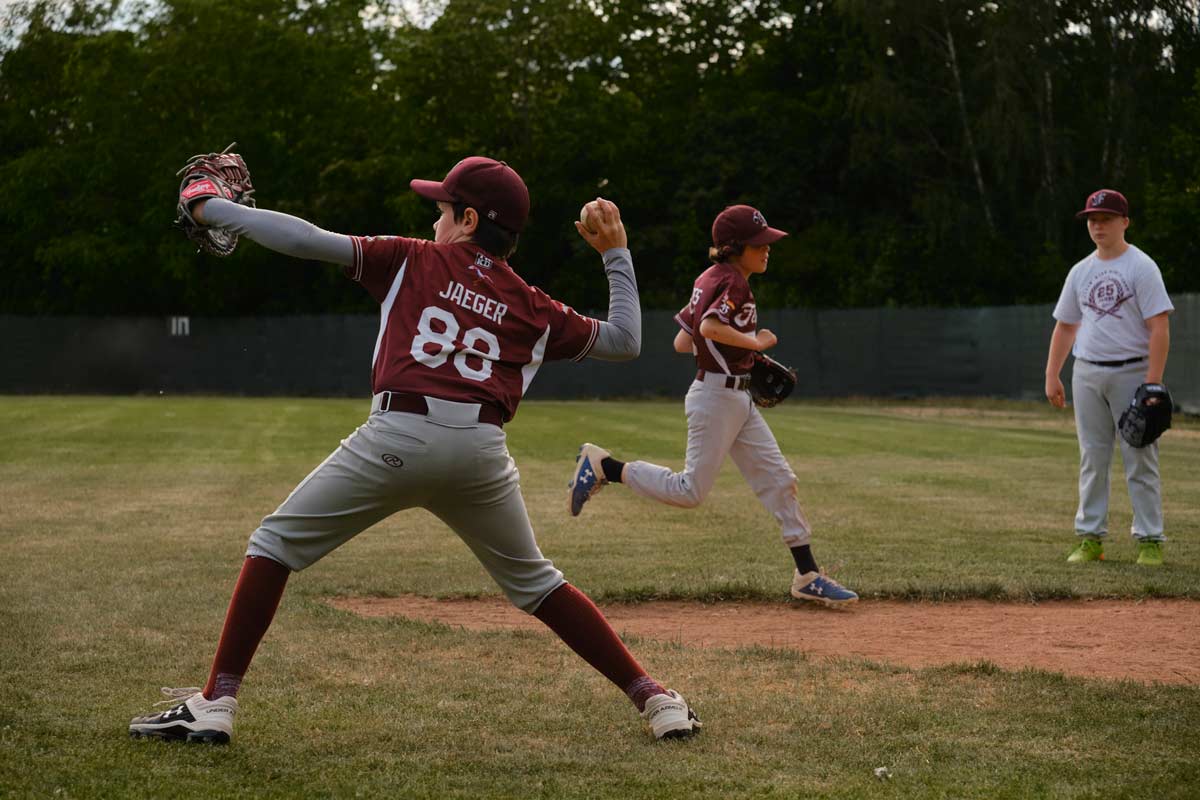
[461,336]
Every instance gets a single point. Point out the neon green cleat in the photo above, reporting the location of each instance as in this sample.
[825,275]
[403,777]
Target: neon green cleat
[1087,550]
[1150,554]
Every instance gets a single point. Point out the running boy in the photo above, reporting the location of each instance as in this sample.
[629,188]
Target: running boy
[719,326]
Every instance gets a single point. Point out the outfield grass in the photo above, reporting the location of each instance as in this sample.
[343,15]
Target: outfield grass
[124,521]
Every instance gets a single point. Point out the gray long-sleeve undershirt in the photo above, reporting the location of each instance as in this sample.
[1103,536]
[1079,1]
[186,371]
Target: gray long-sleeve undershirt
[619,339]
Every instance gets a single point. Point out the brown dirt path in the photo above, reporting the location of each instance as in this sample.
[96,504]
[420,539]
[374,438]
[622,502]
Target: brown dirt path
[1146,641]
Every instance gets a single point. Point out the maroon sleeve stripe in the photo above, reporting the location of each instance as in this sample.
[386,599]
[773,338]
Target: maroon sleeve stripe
[358,258]
[686,328]
[591,342]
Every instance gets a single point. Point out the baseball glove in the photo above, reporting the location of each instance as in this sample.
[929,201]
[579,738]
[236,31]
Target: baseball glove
[1148,415]
[770,381]
[209,175]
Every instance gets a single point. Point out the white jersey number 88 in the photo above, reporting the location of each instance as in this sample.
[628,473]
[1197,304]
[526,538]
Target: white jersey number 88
[444,341]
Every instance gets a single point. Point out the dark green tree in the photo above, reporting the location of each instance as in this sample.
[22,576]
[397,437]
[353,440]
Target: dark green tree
[920,153]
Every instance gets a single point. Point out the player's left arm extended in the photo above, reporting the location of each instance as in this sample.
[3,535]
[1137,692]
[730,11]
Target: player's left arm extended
[282,233]
[683,343]
[1160,342]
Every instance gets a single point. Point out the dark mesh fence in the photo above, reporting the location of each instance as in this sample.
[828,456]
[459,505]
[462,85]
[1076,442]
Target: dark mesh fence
[998,352]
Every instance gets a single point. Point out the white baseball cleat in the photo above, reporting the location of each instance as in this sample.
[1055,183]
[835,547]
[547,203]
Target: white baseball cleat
[670,717]
[817,587]
[193,720]
[587,477]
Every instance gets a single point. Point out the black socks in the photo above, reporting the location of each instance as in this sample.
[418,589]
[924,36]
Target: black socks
[612,469]
[803,557]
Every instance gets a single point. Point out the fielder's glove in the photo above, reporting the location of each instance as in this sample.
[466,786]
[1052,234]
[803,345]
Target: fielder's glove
[770,381]
[209,175]
[1148,415]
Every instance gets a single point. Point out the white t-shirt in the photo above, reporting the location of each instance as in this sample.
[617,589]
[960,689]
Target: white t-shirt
[1111,301]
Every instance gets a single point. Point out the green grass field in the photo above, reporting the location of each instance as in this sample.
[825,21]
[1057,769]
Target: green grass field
[124,520]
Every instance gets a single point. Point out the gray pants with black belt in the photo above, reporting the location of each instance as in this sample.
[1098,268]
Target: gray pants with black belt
[445,461]
[1100,394]
[725,421]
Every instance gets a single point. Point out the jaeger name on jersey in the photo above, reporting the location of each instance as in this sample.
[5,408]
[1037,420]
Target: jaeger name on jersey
[474,301]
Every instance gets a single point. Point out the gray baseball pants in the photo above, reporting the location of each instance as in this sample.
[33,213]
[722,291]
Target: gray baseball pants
[446,462]
[722,421]
[1100,395]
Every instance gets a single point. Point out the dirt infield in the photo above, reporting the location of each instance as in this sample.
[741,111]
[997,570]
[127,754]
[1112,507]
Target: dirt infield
[1147,641]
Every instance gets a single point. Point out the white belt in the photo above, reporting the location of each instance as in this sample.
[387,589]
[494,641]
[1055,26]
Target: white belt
[723,381]
[443,412]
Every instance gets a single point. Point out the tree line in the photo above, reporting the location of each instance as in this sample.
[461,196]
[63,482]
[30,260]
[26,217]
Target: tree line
[920,152]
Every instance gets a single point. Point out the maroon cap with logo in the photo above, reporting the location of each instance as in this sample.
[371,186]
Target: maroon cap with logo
[1105,201]
[490,187]
[743,225]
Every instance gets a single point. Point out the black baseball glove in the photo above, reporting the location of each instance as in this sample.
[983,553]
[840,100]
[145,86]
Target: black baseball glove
[770,381]
[1148,415]
[209,175]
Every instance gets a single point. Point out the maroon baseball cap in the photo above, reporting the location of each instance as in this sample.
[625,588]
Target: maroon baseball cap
[490,187]
[1106,201]
[743,225]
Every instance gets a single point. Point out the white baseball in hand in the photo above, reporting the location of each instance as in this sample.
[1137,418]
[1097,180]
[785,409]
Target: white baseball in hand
[585,216]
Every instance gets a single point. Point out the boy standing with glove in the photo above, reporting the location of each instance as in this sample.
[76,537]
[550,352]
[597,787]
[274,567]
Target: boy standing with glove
[1113,315]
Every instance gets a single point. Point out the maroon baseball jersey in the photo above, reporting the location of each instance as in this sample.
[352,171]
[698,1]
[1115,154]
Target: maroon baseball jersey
[722,292]
[457,324]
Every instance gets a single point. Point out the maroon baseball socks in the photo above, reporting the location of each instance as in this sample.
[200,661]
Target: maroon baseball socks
[251,609]
[575,619]
[566,611]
